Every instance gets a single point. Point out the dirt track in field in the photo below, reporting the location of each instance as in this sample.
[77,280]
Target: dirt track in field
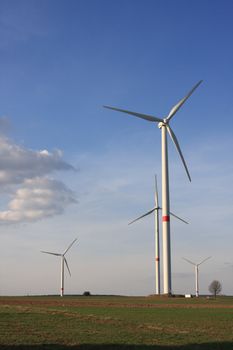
[108,304]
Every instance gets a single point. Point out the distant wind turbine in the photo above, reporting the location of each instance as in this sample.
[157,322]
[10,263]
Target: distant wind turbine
[156,210]
[197,273]
[163,124]
[63,260]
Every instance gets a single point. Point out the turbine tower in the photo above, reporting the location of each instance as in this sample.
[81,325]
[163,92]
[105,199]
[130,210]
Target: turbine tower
[63,261]
[163,124]
[156,210]
[197,273]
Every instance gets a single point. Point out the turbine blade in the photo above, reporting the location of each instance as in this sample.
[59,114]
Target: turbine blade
[156,193]
[175,216]
[42,251]
[174,139]
[181,102]
[139,115]
[142,216]
[67,265]
[189,261]
[204,260]
[70,246]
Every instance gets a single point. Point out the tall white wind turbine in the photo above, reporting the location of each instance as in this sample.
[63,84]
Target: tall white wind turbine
[197,273]
[156,210]
[163,124]
[63,260]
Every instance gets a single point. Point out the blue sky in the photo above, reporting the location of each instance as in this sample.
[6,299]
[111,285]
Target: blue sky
[70,168]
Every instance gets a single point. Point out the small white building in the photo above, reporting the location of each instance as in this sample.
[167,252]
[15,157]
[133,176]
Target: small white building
[188,295]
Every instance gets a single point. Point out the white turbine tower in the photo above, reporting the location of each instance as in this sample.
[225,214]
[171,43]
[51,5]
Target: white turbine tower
[63,260]
[156,210]
[163,124]
[197,273]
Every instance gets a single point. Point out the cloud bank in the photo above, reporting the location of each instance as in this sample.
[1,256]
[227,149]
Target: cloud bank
[25,175]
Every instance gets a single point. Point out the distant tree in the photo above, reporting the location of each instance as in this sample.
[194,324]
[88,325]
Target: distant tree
[86,293]
[215,288]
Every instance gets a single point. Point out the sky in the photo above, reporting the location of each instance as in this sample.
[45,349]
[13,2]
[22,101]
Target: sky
[70,168]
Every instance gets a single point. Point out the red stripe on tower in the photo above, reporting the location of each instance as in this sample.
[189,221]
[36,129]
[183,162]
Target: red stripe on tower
[166,218]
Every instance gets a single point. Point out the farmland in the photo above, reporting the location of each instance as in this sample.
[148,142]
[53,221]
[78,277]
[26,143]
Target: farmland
[109,322]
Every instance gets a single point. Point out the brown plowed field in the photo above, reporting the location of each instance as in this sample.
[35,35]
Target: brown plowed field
[94,301]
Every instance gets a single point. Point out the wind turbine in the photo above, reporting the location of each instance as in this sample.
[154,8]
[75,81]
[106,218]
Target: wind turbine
[63,260]
[196,273]
[156,210]
[163,124]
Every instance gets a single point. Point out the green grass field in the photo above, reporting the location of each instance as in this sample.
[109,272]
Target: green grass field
[115,323]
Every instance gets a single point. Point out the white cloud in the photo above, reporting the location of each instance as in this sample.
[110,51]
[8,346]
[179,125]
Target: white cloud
[18,163]
[37,199]
[24,176]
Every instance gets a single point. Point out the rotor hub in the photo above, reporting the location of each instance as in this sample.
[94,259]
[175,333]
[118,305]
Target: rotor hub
[161,124]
